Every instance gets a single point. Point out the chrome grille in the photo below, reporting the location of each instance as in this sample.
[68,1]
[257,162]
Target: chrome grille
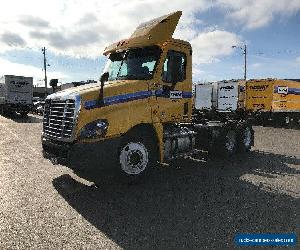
[58,122]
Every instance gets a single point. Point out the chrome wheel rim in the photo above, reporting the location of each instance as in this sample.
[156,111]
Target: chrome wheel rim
[247,137]
[230,141]
[134,158]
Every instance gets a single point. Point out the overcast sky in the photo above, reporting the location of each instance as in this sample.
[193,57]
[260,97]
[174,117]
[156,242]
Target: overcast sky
[75,33]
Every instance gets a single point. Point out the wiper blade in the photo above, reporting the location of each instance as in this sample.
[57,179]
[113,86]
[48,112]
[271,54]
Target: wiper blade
[134,77]
[127,77]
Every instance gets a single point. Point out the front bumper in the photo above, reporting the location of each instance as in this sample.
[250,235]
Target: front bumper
[56,150]
[77,155]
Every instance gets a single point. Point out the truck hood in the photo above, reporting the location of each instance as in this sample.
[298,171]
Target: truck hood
[91,91]
[74,90]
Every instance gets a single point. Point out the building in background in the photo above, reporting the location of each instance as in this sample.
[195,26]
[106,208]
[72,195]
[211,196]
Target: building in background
[75,84]
[40,92]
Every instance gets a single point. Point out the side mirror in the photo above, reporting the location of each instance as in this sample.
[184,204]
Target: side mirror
[104,78]
[53,84]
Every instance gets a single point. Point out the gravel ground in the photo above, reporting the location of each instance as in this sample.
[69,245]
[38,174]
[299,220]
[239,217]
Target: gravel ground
[198,204]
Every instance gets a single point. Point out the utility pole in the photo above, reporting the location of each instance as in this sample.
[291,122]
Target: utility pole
[245,66]
[45,70]
[244,49]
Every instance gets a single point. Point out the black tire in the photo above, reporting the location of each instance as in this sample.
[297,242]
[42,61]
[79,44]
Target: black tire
[137,155]
[24,113]
[228,145]
[245,138]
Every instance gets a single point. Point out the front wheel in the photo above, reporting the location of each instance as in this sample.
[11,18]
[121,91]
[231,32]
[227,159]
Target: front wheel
[134,158]
[137,155]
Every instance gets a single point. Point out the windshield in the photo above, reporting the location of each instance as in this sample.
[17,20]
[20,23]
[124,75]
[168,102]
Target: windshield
[133,64]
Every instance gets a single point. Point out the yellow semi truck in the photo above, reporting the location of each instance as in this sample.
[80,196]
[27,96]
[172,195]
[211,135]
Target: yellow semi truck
[140,112]
[274,99]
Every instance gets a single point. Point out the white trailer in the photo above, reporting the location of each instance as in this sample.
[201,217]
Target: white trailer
[16,94]
[203,96]
[222,96]
[227,96]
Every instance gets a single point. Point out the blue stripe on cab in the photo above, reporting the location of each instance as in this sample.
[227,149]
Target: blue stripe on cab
[91,104]
[127,97]
[187,94]
[118,99]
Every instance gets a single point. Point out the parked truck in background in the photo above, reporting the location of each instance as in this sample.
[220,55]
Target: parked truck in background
[16,94]
[142,111]
[219,106]
[273,100]
[222,98]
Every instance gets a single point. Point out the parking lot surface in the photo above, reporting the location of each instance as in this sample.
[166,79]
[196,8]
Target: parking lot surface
[196,205]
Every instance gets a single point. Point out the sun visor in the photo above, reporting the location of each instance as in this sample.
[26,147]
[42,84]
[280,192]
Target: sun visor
[161,28]
[155,31]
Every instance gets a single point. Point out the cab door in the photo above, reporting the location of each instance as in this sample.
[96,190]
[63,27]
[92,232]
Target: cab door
[173,91]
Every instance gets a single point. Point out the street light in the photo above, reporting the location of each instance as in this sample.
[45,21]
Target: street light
[244,49]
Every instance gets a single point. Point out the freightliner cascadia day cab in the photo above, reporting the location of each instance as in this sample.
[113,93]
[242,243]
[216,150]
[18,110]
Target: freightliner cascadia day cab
[16,94]
[141,110]
[274,99]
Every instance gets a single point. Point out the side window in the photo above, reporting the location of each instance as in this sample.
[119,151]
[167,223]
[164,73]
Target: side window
[174,67]
[149,65]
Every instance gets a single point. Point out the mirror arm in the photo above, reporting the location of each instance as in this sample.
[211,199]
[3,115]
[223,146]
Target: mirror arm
[101,97]
[103,79]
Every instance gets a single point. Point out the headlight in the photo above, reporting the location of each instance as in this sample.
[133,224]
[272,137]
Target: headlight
[95,129]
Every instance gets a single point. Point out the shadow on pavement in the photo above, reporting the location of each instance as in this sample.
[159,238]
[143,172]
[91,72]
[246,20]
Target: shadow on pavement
[195,205]
[27,119]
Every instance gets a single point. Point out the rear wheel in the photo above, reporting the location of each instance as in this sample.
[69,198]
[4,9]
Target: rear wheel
[226,145]
[245,140]
[230,143]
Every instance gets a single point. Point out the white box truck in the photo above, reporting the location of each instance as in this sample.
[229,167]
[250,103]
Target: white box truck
[16,94]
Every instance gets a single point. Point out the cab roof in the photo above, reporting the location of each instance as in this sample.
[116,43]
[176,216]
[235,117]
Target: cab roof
[153,32]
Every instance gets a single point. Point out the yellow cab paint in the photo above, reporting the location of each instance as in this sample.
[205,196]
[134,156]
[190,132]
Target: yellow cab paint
[151,110]
[173,110]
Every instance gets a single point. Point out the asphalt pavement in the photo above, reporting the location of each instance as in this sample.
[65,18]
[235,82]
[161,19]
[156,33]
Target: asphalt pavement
[197,204]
